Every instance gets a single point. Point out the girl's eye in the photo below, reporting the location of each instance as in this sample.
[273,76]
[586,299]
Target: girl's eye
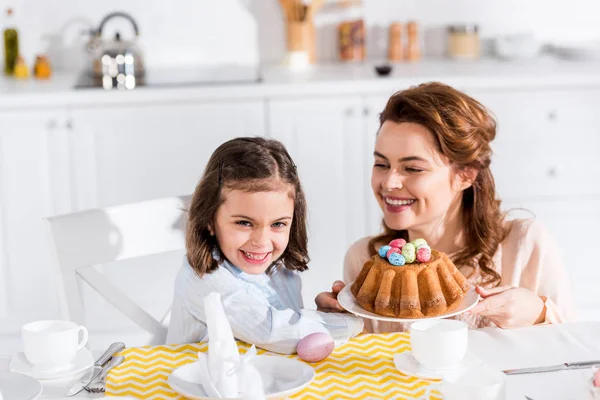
[279,225]
[380,165]
[243,223]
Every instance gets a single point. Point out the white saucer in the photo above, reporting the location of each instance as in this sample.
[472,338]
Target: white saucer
[348,302]
[19,387]
[82,361]
[282,377]
[406,363]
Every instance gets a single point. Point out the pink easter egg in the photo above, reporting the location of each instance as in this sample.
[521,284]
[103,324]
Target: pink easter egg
[392,250]
[315,347]
[423,254]
[597,378]
[397,243]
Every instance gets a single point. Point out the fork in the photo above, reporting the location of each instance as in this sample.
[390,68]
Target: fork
[99,385]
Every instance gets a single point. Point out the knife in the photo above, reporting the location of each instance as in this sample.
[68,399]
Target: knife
[553,368]
[107,355]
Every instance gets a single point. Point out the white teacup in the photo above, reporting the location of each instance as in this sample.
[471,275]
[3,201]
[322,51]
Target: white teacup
[52,344]
[439,343]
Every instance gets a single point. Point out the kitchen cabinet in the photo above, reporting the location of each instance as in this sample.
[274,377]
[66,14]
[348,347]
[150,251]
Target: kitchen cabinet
[141,152]
[547,142]
[327,141]
[33,172]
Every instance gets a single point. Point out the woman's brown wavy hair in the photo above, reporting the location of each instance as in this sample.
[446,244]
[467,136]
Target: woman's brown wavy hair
[251,164]
[463,129]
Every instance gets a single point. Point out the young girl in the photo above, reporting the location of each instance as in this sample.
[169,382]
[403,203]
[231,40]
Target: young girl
[432,179]
[246,239]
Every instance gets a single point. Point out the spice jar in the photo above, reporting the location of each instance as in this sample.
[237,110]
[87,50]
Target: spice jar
[413,48]
[351,40]
[395,46]
[463,42]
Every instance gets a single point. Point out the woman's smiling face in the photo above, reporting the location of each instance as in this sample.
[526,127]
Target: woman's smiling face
[413,183]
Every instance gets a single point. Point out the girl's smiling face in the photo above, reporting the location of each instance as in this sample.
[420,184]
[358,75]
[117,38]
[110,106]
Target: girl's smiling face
[413,183]
[253,228]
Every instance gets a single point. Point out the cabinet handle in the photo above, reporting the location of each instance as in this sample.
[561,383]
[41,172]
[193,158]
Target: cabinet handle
[349,112]
[68,124]
[366,111]
[553,172]
[552,116]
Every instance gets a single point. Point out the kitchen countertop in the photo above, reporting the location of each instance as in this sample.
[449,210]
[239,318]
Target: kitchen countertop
[329,79]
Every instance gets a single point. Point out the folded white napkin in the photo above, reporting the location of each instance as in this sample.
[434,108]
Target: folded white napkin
[232,375]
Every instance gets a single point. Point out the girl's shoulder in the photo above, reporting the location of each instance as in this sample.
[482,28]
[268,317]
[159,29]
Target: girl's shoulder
[189,281]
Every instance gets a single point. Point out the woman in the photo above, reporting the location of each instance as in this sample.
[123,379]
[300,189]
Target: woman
[432,179]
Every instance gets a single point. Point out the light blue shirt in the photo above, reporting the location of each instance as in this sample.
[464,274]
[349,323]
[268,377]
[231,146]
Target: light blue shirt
[265,310]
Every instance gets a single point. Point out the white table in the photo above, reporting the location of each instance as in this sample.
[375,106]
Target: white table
[539,346]
[505,349]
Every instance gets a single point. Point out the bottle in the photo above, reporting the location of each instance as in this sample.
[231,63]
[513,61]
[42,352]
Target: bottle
[20,70]
[42,68]
[413,50]
[11,44]
[395,46]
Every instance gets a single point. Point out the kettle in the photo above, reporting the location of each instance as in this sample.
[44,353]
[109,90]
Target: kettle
[118,62]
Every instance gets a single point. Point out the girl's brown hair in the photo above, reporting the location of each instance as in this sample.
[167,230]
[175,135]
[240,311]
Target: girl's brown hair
[251,164]
[463,129]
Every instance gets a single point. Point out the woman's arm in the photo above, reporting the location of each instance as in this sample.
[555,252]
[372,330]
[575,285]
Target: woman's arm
[537,288]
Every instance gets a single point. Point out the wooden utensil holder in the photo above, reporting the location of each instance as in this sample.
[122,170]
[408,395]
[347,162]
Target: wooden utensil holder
[301,37]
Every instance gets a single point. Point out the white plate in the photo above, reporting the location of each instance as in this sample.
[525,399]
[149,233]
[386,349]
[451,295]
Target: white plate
[282,377]
[15,386]
[347,300]
[82,361]
[406,363]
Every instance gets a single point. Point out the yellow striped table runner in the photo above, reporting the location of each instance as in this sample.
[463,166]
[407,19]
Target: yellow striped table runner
[363,368]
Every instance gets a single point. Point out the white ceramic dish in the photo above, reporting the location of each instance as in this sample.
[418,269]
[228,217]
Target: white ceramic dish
[348,302]
[406,363]
[19,387]
[82,361]
[285,376]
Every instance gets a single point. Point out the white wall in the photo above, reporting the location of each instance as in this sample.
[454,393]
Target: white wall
[246,31]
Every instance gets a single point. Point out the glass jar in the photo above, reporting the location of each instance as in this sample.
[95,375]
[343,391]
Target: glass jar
[351,40]
[463,42]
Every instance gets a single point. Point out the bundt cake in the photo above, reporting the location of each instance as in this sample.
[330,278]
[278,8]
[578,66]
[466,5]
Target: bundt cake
[409,280]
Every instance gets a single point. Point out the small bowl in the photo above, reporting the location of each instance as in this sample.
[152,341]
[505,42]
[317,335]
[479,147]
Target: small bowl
[383,70]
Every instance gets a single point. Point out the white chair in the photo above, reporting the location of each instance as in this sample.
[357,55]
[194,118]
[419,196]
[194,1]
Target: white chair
[81,240]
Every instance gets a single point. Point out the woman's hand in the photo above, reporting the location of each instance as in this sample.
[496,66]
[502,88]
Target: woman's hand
[510,307]
[327,301]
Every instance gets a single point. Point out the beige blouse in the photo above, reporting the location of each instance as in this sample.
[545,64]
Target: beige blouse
[528,258]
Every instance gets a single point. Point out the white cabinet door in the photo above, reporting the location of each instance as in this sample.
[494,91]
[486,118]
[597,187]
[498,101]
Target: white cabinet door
[140,152]
[326,139]
[547,142]
[33,174]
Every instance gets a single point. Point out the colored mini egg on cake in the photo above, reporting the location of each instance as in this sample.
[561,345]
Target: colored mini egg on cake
[398,243]
[383,251]
[418,242]
[409,252]
[423,254]
[397,259]
[392,251]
